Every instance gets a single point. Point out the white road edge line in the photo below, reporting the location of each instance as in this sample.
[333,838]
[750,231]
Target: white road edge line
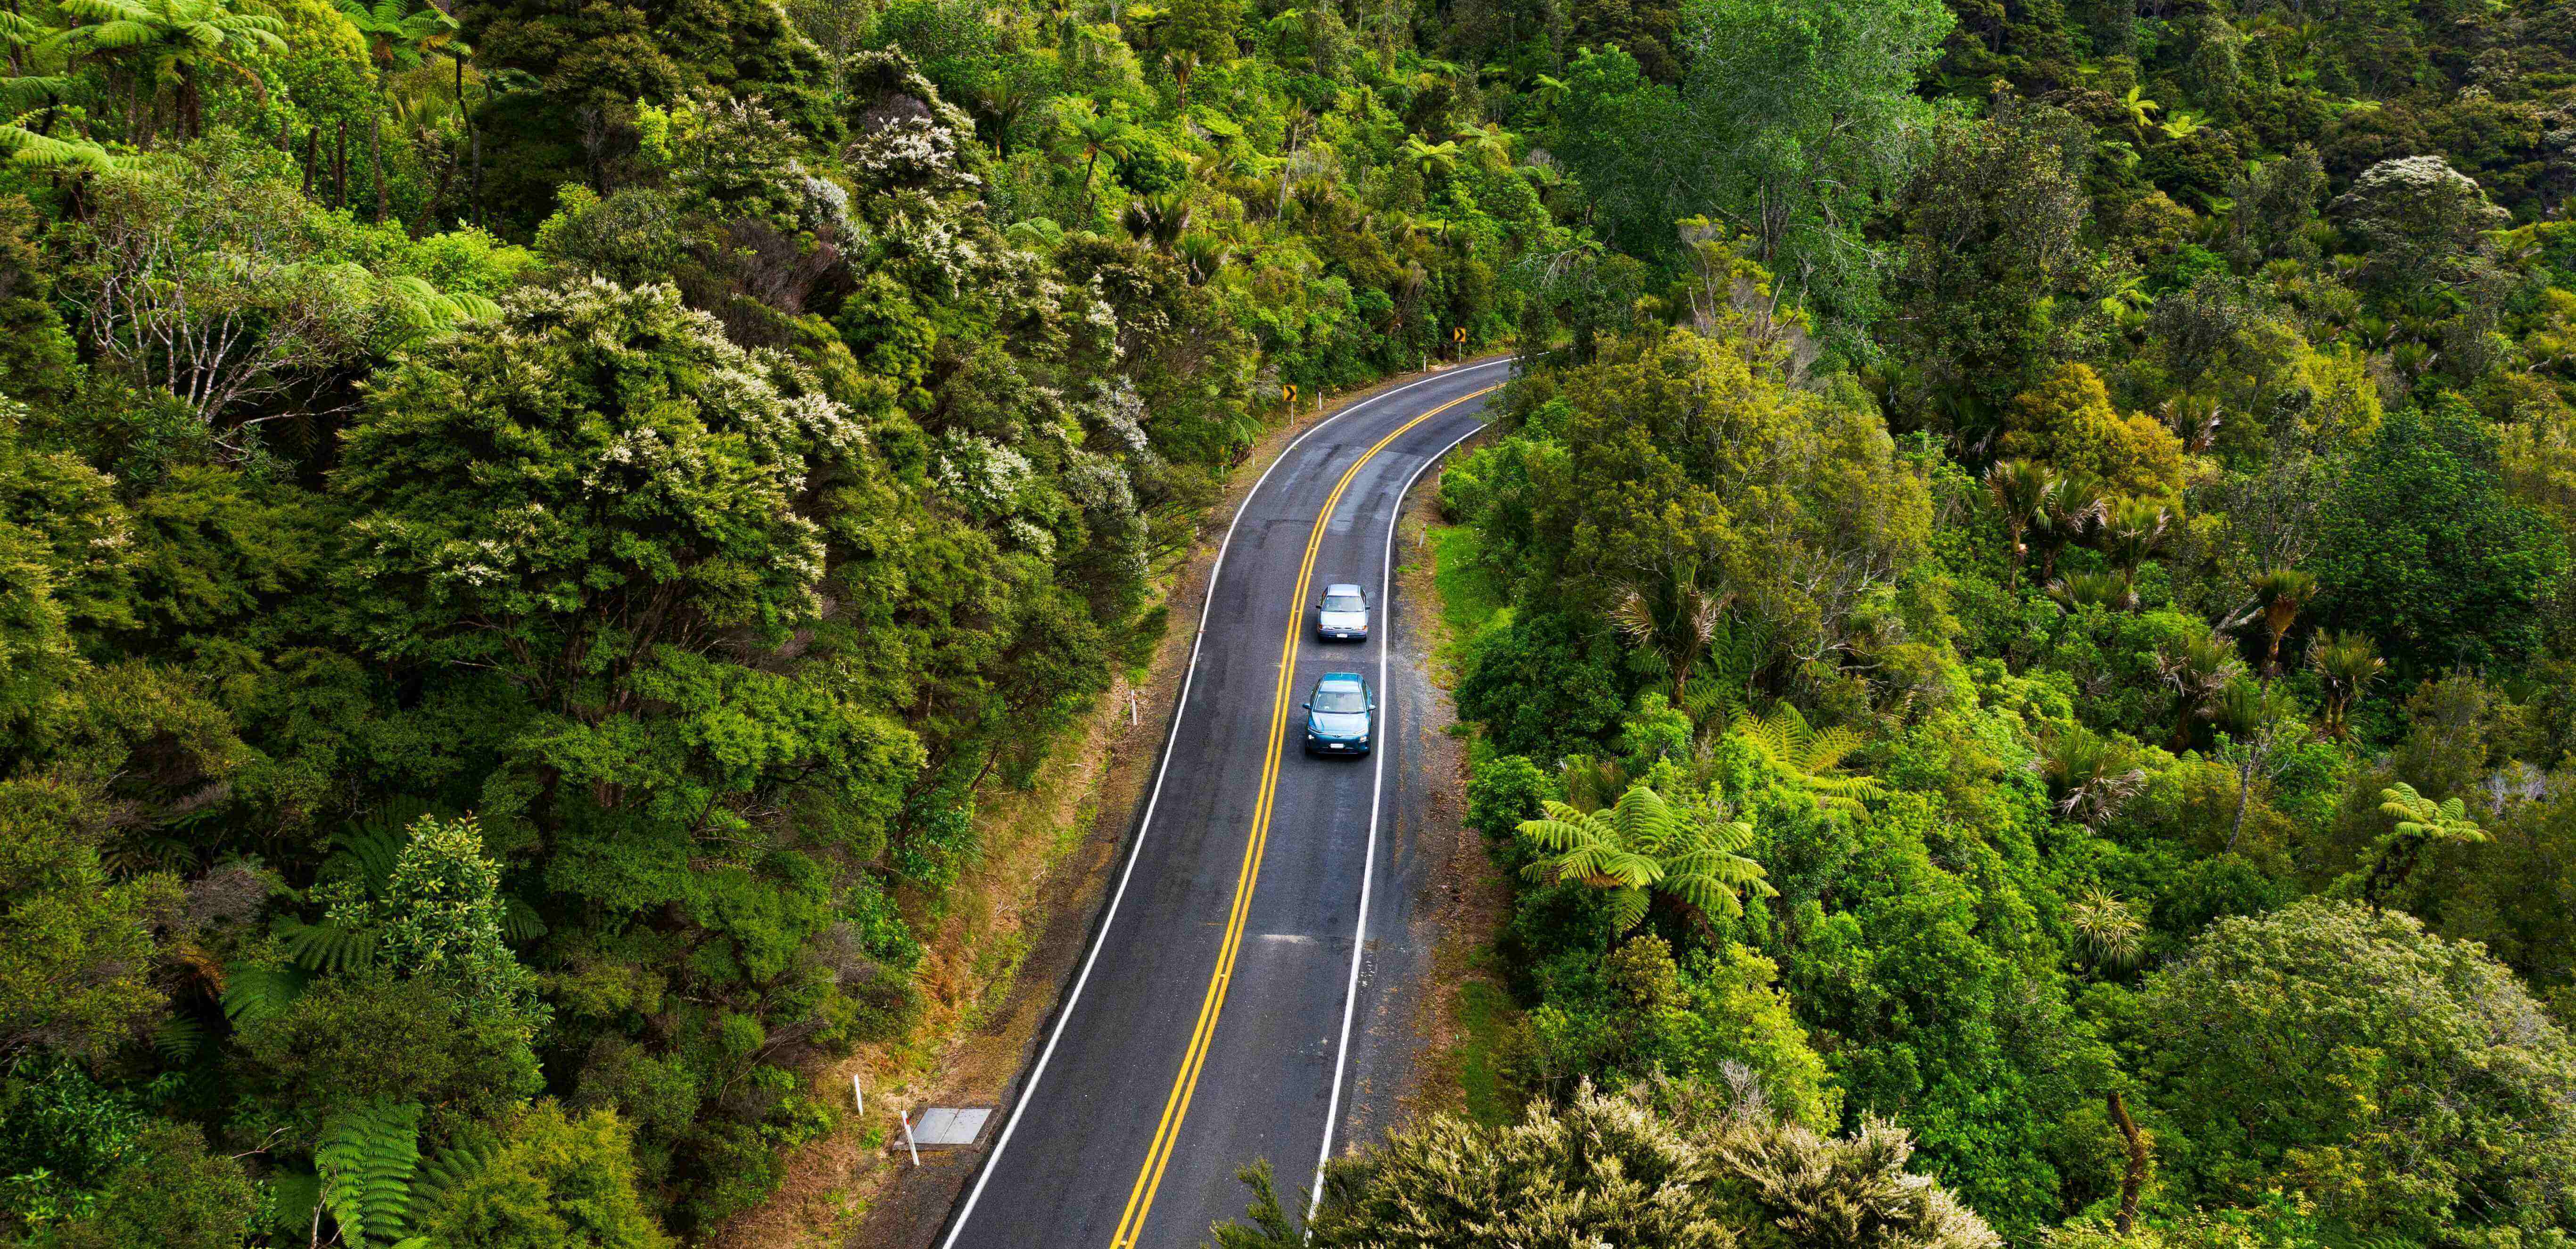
[1064,1013]
[1377,791]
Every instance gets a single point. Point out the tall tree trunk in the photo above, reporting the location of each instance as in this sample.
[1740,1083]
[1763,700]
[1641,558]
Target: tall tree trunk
[2254,752]
[376,164]
[2135,1178]
[437,196]
[312,153]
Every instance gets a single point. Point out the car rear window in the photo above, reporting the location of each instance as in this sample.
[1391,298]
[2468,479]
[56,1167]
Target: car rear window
[1340,701]
[1345,602]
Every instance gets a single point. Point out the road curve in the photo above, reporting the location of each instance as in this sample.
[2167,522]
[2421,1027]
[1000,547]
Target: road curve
[1209,1024]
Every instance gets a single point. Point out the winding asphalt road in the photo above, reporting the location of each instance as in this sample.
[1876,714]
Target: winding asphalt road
[1211,1022]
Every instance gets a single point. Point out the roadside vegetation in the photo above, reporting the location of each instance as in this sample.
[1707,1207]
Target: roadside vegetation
[2033,611]
[530,535]
[2016,621]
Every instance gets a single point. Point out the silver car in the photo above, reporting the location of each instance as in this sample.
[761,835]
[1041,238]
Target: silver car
[1343,615]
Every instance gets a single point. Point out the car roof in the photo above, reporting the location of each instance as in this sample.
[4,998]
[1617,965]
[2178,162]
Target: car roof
[1341,678]
[1341,587]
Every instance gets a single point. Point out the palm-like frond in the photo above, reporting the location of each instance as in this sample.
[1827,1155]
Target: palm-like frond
[2349,663]
[1712,874]
[2421,824]
[26,147]
[2090,776]
[1645,845]
[2419,816]
[1810,756]
[2108,933]
[2132,531]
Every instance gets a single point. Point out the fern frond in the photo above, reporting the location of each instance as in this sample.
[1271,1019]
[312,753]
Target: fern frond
[1845,786]
[20,30]
[31,91]
[519,921]
[260,992]
[444,1175]
[370,849]
[179,1038]
[1644,820]
[1827,750]
[46,152]
[1783,735]
[293,1194]
[1557,833]
[327,945]
[100,11]
[1712,704]
[1627,908]
[1706,894]
[366,1158]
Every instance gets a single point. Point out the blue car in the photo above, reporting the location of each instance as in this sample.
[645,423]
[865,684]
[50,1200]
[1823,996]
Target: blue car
[1340,715]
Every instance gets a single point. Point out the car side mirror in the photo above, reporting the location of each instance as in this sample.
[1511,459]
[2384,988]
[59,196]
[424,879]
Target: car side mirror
[1306,706]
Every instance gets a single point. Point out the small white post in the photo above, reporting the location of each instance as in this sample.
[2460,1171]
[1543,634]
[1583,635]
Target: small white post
[908,1142]
[858,1094]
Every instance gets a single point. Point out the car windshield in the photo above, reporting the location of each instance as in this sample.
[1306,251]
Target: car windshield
[1340,701]
[1345,602]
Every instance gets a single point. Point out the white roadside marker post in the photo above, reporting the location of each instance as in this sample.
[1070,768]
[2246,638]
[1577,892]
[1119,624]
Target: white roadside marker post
[908,1143]
[858,1095]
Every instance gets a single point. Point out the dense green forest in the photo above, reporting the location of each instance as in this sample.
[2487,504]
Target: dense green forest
[527,531]
[2040,614]
[2035,542]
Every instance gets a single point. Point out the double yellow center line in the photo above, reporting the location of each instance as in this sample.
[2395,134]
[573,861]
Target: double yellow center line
[1176,1107]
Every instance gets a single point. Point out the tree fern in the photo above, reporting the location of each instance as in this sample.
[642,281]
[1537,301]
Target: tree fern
[1810,756]
[1717,695]
[366,1158]
[28,148]
[2421,823]
[1646,845]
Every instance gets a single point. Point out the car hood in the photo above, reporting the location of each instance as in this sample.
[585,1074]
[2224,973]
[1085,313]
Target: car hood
[1345,620]
[1338,723]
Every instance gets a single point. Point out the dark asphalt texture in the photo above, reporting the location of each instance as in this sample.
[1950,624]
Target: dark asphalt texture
[1087,1114]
